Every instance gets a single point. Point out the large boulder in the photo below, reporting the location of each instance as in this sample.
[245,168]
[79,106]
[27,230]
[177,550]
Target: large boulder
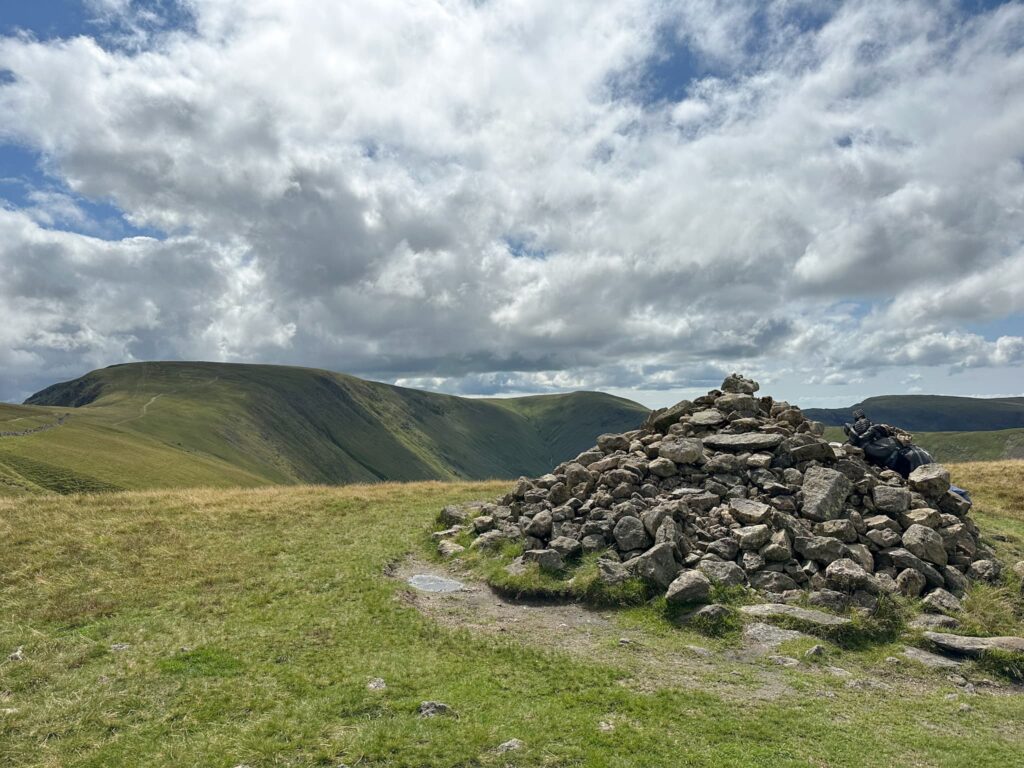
[689,587]
[930,480]
[630,534]
[685,451]
[657,565]
[722,572]
[925,543]
[825,491]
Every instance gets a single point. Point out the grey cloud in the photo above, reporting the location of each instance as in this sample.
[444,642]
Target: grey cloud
[334,199]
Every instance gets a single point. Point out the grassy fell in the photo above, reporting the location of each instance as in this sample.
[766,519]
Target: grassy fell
[218,627]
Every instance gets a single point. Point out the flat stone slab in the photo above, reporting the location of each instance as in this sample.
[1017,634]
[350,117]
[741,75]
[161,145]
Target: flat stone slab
[973,647]
[932,660]
[807,615]
[748,441]
[427,582]
[762,634]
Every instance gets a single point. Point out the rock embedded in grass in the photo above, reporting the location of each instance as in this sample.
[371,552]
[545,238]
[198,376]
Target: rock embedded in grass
[435,709]
[748,482]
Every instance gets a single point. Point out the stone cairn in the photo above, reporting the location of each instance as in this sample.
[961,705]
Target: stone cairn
[736,489]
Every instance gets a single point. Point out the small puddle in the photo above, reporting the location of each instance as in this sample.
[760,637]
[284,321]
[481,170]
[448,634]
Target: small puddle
[429,583]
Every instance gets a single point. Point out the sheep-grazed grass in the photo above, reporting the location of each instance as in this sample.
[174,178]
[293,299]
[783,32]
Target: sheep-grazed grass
[227,627]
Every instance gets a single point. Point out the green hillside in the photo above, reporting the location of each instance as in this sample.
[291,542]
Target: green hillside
[932,413]
[149,425]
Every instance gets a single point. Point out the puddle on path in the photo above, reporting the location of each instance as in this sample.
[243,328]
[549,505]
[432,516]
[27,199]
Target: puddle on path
[426,582]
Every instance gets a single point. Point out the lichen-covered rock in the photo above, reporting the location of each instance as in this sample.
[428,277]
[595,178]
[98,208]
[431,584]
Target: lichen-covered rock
[722,572]
[925,543]
[630,534]
[825,492]
[689,587]
[930,480]
[657,565]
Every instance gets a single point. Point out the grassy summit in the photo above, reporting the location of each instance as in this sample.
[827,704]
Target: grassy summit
[150,425]
[228,627]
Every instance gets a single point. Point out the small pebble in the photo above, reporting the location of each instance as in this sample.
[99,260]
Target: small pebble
[376,684]
[966,708]
[434,709]
[119,647]
[624,641]
[893,660]
[605,727]
[815,650]
[18,655]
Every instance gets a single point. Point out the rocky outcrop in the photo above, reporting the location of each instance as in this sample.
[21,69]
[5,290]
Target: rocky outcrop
[731,488]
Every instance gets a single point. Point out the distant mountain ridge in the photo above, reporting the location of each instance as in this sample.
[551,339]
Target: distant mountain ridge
[161,424]
[932,413]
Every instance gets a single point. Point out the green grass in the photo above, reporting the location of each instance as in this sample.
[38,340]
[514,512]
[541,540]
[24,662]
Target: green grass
[165,425]
[253,619]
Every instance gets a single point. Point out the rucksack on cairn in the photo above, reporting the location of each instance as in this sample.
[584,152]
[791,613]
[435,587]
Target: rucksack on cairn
[737,489]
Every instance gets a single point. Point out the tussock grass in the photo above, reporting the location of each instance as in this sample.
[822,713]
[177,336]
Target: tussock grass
[251,621]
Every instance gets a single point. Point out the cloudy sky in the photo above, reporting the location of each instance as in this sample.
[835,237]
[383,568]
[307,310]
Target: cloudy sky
[498,196]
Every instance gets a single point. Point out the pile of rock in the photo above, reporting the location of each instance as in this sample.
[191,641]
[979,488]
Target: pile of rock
[736,489]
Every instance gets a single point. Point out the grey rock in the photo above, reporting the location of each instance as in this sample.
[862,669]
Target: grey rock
[841,529]
[941,601]
[610,443]
[772,581]
[752,537]
[985,570]
[548,559]
[825,491]
[930,660]
[449,549]
[846,575]
[489,540]
[657,565]
[929,518]
[891,499]
[820,548]
[663,467]
[830,599]
[435,709]
[682,451]
[930,480]
[767,635]
[778,549]
[722,572]
[727,549]
[565,546]
[709,417]
[925,544]
[630,534]
[818,619]
[512,745]
[883,538]
[376,684]
[454,515]
[956,582]
[713,612]
[736,384]
[540,525]
[749,512]
[973,647]
[611,573]
[911,582]
[747,441]
[689,587]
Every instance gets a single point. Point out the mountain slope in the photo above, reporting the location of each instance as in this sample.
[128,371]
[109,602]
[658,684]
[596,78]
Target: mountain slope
[165,424]
[932,413]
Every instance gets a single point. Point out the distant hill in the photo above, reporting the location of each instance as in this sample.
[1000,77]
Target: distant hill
[932,413]
[147,425]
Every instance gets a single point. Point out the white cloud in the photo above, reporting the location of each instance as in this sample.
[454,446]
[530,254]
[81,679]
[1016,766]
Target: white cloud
[342,183]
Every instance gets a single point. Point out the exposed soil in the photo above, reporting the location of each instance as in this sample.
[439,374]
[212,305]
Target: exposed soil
[751,669]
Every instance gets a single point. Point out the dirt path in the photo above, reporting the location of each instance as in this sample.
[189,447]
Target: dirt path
[141,415]
[751,669]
